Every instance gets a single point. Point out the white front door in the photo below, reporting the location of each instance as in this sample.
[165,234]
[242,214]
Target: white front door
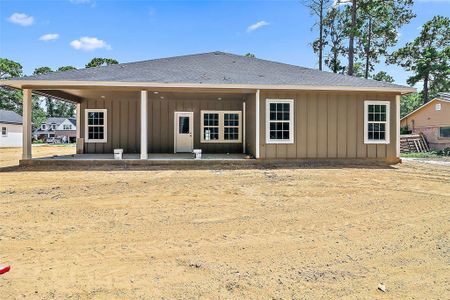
[184,132]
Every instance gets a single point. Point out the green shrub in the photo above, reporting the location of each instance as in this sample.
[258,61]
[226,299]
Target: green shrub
[405,130]
[444,152]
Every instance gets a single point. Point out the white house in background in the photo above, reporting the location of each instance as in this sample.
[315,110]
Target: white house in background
[11,129]
[57,128]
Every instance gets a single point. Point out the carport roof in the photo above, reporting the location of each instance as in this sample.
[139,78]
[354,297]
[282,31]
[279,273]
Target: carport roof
[214,69]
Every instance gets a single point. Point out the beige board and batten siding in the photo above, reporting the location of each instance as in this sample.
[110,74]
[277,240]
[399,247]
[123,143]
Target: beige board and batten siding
[161,119]
[123,124]
[123,121]
[328,125]
[250,124]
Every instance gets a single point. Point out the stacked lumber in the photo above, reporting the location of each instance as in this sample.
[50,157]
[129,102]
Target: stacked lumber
[413,143]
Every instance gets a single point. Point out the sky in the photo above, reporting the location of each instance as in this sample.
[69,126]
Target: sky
[71,32]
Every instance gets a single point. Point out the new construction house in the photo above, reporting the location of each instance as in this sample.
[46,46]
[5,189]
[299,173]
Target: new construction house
[227,106]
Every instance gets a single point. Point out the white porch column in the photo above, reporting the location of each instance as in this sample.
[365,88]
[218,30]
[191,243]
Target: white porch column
[257,124]
[26,137]
[79,141]
[243,129]
[144,97]
[78,120]
[397,125]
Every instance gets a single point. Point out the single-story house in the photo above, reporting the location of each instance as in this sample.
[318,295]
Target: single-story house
[61,129]
[11,129]
[223,103]
[432,120]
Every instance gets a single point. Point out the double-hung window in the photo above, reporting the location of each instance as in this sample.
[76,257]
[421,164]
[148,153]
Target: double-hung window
[279,121]
[4,131]
[376,122]
[221,126]
[231,126]
[96,126]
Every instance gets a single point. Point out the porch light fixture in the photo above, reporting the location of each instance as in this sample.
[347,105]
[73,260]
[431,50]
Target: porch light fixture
[219,98]
[102,97]
[156,93]
[162,97]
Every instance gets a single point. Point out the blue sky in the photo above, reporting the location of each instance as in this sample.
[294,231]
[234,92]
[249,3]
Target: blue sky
[72,32]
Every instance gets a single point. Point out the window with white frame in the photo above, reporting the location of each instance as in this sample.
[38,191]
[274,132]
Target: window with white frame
[279,121]
[4,131]
[221,126]
[376,122]
[53,126]
[67,127]
[44,126]
[438,106]
[96,125]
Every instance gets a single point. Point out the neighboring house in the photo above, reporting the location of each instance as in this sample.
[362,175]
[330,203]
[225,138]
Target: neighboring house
[11,129]
[225,103]
[57,128]
[433,120]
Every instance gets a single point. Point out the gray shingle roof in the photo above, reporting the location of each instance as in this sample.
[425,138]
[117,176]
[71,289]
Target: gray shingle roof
[10,117]
[213,68]
[73,121]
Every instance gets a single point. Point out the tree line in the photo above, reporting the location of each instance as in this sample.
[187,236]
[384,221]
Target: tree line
[355,35]
[43,107]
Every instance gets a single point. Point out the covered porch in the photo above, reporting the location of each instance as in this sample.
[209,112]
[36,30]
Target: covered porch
[160,124]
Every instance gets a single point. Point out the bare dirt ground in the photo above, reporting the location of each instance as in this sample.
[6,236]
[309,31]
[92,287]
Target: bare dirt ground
[277,233]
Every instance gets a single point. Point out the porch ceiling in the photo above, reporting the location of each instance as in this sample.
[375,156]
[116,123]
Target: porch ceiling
[76,95]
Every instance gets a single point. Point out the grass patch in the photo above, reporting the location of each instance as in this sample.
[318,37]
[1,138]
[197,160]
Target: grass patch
[431,154]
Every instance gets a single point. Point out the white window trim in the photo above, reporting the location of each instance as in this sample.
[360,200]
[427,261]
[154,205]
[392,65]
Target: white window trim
[221,126]
[86,127]
[291,121]
[6,131]
[388,121]
[438,106]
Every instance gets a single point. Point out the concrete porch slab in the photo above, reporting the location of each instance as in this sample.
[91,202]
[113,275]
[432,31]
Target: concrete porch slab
[133,159]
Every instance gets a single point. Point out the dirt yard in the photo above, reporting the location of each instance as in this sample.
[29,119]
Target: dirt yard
[316,233]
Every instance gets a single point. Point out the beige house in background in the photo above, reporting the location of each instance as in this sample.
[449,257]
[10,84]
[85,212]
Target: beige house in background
[433,120]
[225,105]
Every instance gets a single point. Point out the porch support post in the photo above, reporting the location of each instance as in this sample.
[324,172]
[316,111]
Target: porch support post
[26,136]
[397,125]
[257,124]
[144,97]
[244,150]
[79,142]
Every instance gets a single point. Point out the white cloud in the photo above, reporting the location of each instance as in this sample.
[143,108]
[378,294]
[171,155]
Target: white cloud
[49,37]
[257,25]
[89,43]
[21,19]
[341,2]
